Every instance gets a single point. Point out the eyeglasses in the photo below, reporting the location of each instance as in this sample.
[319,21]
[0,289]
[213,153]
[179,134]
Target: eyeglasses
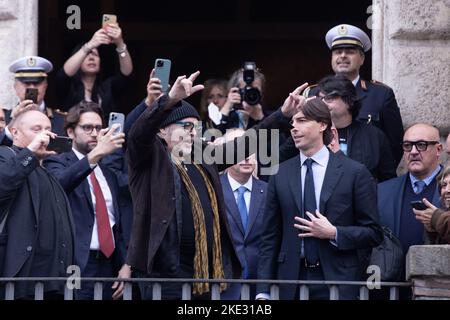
[88,128]
[189,126]
[421,145]
[330,97]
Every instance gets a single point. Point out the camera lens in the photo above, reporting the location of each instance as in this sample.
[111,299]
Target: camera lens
[159,63]
[252,96]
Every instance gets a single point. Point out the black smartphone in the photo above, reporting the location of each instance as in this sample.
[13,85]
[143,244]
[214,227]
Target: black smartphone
[31,94]
[418,205]
[60,144]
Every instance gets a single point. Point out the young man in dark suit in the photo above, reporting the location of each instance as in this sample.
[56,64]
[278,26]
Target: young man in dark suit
[244,197]
[93,194]
[330,199]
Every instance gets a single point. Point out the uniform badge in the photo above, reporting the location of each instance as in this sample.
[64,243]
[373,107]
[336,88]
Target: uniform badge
[31,62]
[342,30]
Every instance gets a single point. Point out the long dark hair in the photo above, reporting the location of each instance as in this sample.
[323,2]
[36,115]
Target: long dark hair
[78,85]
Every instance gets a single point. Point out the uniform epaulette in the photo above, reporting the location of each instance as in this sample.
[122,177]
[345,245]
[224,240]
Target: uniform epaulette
[379,83]
[307,90]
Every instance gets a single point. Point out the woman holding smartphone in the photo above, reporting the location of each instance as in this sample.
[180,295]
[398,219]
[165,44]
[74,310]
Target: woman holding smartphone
[81,80]
[437,220]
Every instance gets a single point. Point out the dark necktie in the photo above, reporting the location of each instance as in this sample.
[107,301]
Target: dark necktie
[309,200]
[105,237]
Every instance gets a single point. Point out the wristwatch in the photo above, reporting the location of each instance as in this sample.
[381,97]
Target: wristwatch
[122,51]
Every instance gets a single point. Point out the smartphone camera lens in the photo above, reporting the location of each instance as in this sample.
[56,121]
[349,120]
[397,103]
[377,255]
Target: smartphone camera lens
[160,63]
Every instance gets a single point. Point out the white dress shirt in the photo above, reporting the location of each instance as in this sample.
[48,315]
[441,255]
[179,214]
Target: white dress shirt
[355,82]
[319,167]
[108,199]
[236,185]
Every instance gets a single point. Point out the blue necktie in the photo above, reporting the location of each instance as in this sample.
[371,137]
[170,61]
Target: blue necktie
[244,218]
[420,185]
[241,119]
[309,202]
[242,206]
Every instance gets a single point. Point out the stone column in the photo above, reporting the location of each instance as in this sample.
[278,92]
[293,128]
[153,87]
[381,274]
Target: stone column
[411,54]
[18,38]
[428,268]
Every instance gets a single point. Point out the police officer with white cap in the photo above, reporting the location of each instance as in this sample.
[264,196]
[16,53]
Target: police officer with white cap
[379,106]
[31,85]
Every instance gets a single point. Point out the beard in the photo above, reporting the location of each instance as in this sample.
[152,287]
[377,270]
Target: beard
[84,148]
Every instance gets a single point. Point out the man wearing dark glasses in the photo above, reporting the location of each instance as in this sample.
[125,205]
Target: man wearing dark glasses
[396,197]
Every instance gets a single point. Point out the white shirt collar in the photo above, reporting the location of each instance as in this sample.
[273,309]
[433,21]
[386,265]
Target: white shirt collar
[235,185]
[355,82]
[42,107]
[321,157]
[78,154]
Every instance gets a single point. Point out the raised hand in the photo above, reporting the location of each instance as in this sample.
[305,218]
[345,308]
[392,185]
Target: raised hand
[294,102]
[115,34]
[23,106]
[184,87]
[39,144]
[107,143]
[154,89]
[100,37]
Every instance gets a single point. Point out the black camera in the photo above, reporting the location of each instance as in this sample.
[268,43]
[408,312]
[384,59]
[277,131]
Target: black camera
[249,94]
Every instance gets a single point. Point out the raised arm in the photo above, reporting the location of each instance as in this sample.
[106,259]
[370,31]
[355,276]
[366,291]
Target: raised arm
[73,64]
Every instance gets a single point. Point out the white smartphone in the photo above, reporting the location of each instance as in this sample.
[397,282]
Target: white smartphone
[162,72]
[115,117]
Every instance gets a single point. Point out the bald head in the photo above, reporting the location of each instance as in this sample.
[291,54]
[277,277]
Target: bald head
[426,131]
[27,125]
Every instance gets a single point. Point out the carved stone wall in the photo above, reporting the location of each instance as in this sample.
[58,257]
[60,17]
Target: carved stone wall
[411,53]
[18,38]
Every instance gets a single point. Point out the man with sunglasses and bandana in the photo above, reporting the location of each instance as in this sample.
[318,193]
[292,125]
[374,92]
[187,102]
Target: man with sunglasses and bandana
[180,228]
[421,152]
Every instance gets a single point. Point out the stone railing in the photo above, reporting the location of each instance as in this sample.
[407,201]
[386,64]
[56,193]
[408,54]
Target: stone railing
[428,269]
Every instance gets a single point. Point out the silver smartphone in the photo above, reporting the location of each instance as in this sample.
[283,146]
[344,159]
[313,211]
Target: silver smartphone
[115,117]
[162,72]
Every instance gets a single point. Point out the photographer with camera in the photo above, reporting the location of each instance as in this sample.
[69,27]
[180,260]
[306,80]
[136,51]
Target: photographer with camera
[243,106]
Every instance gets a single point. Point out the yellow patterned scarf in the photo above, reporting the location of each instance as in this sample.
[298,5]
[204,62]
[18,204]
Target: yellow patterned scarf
[201,265]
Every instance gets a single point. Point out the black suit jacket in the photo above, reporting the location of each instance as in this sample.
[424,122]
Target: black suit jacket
[18,184]
[4,140]
[72,174]
[348,200]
